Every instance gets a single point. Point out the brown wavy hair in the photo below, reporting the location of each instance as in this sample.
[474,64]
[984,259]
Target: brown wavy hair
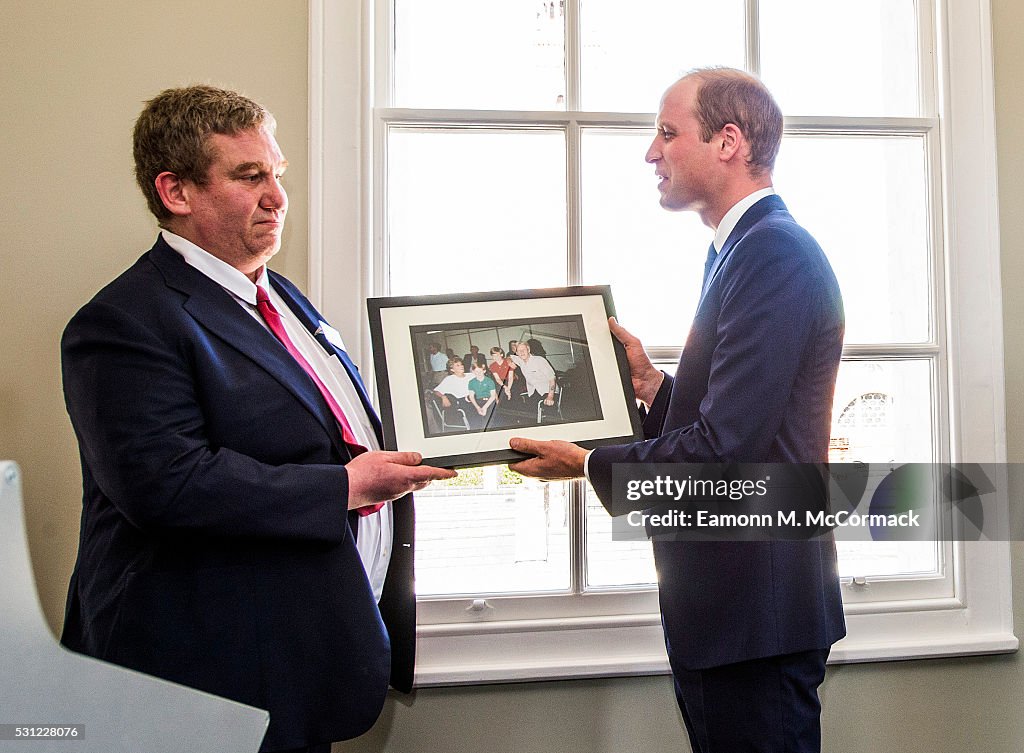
[173,130]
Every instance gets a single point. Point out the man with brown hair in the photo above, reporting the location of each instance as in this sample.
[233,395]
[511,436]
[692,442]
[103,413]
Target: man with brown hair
[241,531]
[748,624]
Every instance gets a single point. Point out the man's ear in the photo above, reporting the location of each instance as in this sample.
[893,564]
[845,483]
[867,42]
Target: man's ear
[174,193]
[732,142]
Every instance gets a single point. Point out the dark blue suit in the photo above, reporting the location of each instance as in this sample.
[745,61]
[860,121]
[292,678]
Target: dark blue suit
[216,549]
[754,384]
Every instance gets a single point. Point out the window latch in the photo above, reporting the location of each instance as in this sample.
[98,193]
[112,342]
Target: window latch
[479,606]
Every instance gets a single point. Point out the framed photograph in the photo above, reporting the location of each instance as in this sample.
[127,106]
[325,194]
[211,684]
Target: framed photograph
[459,375]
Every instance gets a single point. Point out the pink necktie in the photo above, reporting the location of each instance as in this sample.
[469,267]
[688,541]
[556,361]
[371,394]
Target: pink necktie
[273,320]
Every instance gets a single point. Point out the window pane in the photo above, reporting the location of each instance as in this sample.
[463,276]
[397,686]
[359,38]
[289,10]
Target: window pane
[475,209]
[491,531]
[882,412]
[653,258]
[614,563]
[831,58]
[864,198]
[479,55]
[632,51]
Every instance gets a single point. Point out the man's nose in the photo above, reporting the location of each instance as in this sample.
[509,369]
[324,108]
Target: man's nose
[653,152]
[276,197]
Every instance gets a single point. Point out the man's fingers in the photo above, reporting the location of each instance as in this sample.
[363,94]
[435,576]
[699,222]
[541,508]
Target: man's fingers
[417,472]
[622,334]
[530,466]
[427,473]
[523,467]
[402,458]
[382,476]
[529,446]
[535,468]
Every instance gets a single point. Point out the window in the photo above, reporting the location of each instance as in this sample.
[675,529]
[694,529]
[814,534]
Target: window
[504,140]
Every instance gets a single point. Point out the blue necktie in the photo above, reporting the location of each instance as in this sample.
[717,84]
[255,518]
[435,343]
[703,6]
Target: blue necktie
[708,264]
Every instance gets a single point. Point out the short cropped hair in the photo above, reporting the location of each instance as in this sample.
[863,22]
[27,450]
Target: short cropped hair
[173,130]
[728,95]
[496,349]
[455,361]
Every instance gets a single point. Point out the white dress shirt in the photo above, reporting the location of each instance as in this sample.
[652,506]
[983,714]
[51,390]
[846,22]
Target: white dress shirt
[374,538]
[728,223]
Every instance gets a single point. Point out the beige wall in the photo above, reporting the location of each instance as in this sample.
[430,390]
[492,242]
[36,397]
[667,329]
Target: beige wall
[74,76]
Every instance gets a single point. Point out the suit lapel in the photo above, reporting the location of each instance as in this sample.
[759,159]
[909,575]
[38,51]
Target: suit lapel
[750,218]
[219,313]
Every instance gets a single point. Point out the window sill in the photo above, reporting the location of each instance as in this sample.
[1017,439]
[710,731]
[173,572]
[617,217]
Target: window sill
[578,648]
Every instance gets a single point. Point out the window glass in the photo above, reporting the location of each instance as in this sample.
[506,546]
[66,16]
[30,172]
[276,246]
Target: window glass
[479,209]
[632,51]
[865,200]
[832,58]
[653,259]
[882,412]
[491,531]
[479,54]
[613,563]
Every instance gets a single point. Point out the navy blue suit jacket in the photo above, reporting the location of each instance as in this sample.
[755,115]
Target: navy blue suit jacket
[755,383]
[216,548]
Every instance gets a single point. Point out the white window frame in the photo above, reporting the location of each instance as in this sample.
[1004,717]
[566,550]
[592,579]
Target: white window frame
[615,634]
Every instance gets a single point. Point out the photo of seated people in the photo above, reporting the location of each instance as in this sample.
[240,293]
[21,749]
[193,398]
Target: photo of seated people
[486,376]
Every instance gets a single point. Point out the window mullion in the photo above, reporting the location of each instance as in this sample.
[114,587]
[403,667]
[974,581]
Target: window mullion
[882,126]
[578,536]
[378,247]
[753,37]
[573,180]
[574,266]
[930,83]
[383,35]
[572,55]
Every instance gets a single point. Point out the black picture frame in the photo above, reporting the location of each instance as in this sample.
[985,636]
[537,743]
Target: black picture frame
[592,403]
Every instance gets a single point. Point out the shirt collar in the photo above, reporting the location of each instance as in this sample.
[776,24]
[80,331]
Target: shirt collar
[216,269]
[728,223]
